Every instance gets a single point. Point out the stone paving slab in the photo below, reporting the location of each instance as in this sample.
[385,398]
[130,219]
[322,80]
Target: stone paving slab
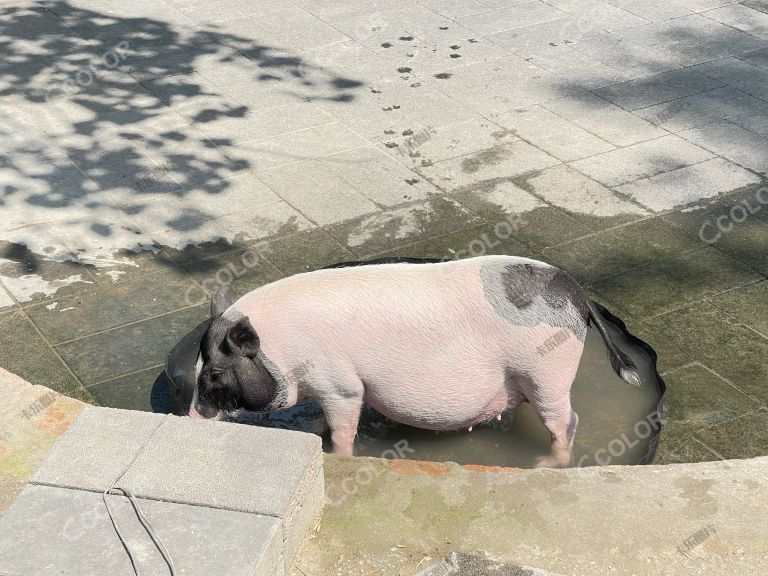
[742,18]
[608,121]
[78,537]
[318,192]
[201,463]
[133,391]
[553,134]
[653,290]
[641,160]
[18,336]
[757,58]
[733,143]
[634,61]
[742,237]
[658,88]
[429,146]
[737,73]
[699,331]
[687,185]
[456,173]
[583,198]
[703,399]
[105,355]
[703,108]
[510,18]
[589,259]
[80,315]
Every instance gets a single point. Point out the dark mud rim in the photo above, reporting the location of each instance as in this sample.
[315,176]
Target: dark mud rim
[161,395]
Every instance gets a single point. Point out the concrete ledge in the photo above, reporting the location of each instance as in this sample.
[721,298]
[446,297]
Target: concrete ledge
[400,517]
[56,531]
[206,464]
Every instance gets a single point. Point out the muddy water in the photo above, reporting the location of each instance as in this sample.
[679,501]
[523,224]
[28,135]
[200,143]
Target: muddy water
[617,420]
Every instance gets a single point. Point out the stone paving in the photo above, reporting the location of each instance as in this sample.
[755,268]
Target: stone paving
[154,149]
[223,508]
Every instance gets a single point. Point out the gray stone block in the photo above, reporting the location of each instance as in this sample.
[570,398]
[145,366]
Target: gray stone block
[604,119]
[641,160]
[653,10]
[742,18]
[62,532]
[739,74]
[287,148]
[317,191]
[632,60]
[687,185]
[732,142]
[702,108]
[204,463]
[510,18]
[532,39]
[603,14]
[378,177]
[575,70]
[553,134]
[504,161]
[658,88]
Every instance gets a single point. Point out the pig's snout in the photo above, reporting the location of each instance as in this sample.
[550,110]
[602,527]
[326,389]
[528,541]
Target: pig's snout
[194,413]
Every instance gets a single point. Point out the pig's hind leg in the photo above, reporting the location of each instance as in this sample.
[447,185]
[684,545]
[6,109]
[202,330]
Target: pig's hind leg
[561,424]
[548,390]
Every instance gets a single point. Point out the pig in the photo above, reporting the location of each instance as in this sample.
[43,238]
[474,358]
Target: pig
[441,346]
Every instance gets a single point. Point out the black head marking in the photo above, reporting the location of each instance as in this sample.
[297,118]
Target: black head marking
[233,374]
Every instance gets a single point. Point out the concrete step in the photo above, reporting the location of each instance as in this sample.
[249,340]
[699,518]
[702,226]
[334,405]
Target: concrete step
[56,531]
[272,476]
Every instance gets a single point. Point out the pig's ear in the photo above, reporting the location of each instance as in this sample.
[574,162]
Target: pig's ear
[242,339]
[221,300]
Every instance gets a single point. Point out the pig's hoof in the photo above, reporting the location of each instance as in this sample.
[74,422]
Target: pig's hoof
[553,461]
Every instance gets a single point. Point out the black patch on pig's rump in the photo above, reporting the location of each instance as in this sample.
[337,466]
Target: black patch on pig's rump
[523,282]
[527,293]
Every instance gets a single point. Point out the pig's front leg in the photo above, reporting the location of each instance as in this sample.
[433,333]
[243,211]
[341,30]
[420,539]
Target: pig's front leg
[342,412]
[342,418]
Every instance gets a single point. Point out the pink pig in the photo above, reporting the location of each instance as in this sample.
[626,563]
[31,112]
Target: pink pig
[441,346]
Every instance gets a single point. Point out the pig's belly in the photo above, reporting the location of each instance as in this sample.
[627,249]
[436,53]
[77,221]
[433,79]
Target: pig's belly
[445,404]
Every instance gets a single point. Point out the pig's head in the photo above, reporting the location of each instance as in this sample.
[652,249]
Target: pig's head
[230,370]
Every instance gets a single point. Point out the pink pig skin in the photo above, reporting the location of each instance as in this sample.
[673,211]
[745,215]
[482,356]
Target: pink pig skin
[421,343]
